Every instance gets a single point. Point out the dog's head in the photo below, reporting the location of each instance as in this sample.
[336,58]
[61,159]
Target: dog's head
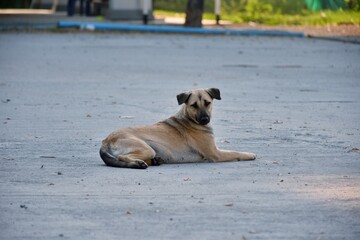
[198,104]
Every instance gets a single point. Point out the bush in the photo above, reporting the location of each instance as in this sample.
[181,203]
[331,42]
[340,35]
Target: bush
[254,8]
[353,4]
[270,12]
[231,6]
[237,6]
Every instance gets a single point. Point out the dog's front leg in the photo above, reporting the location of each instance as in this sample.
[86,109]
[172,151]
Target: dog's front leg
[226,155]
[213,154]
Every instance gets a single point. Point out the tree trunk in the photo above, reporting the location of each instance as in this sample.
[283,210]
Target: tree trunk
[194,11]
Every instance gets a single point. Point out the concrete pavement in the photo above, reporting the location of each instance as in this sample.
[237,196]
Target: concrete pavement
[294,102]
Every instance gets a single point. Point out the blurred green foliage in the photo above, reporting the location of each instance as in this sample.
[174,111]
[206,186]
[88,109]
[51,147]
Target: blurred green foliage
[272,12]
[15,3]
[353,4]
[228,6]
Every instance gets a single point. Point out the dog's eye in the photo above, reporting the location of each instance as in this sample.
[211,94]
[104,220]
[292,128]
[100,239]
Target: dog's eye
[206,103]
[194,105]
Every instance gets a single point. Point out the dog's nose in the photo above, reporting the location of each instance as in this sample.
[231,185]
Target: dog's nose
[204,120]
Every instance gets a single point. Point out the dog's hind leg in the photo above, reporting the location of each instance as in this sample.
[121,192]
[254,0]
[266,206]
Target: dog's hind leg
[141,158]
[127,153]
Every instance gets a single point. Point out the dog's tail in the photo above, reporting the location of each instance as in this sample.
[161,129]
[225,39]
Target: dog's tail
[113,161]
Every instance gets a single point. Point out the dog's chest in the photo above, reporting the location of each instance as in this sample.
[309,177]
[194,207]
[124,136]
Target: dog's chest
[187,157]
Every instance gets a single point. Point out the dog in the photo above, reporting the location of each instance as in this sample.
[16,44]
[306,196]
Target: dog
[186,137]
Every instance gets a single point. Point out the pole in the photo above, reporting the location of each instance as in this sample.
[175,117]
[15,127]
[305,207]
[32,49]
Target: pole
[217,11]
[145,11]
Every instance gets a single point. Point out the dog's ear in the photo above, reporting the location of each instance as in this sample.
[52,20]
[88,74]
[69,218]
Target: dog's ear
[214,93]
[183,97]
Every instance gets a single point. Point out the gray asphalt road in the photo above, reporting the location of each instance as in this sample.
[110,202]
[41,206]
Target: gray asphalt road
[294,102]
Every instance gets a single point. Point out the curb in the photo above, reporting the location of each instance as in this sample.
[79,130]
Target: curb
[172,29]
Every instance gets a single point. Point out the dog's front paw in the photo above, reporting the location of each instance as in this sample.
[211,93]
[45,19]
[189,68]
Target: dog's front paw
[247,156]
[252,156]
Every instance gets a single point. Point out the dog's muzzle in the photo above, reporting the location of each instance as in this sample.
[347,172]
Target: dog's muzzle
[204,120]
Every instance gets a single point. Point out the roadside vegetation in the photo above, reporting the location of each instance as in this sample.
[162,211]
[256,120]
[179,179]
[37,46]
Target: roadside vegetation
[268,12]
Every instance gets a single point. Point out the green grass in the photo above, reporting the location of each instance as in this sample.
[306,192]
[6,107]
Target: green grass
[309,18]
[306,18]
[163,13]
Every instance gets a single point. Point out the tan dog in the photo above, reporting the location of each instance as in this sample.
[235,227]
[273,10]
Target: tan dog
[183,138]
